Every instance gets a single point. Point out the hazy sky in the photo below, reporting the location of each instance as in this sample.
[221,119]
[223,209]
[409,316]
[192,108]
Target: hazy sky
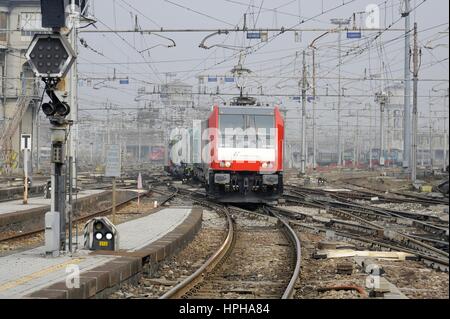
[276,65]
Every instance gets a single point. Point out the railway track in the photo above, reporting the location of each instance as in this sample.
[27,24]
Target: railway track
[429,224]
[397,196]
[84,217]
[230,269]
[378,229]
[368,194]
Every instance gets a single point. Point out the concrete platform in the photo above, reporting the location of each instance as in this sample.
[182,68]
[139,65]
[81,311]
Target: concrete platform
[15,216]
[37,202]
[143,243]
[16,192]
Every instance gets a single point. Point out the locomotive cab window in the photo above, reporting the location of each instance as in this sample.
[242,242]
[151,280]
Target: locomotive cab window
[246,131]
[265,128]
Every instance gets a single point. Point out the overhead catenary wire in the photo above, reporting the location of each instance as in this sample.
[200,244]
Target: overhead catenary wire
[286,67]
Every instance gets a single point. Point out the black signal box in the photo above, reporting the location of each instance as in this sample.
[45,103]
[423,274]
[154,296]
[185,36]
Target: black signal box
[53,13]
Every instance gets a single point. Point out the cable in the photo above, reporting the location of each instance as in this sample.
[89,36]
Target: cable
[198,12]
[133,47]
[140,13]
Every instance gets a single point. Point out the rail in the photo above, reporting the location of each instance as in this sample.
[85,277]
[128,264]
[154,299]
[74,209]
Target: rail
[198,276]
[290,289]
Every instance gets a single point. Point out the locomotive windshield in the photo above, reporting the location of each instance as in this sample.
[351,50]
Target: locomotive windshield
[246,131]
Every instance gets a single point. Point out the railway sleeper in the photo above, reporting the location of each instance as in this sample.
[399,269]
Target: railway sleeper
[430,261]
[442,233]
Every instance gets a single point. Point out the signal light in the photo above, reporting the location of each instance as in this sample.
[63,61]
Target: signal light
[53,15]
[48,109]
[51,109]
[50,55]
[101,234]
[62,109]
[98,226]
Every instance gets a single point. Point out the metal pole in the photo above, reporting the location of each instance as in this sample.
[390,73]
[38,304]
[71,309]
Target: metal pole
[114,199]
[70,210]
[339,101]
[139,140]
[357,139]
[414,111]
[73,137]
[445,144]
[303,159]
[444,157]
[370,138]
[407,98]
[108,125]
[388,136]
[381,133]
[354,147]
[25,176]
[60,199]
[38,153]
[314,110]
[92,153]
[58,203]
[430,133]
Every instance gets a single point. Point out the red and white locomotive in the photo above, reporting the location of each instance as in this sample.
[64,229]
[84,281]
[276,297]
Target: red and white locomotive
[242,154]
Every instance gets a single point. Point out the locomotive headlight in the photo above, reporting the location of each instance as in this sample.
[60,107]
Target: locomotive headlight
[227,164]
[264,165]
[270,165]
[98,236]
[222,164]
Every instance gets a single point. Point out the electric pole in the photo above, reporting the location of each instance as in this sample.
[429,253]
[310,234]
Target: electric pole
[340,23]
[430,132]
[370,137]
[444,160]
[314,109]
[357,148]
[74,21]
[407,98]
[303,158]
[339,102]
[108,123]
[382,105]
[414,111]
[389,137]
[312,46]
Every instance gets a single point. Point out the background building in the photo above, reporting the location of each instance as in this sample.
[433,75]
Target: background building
[19,91]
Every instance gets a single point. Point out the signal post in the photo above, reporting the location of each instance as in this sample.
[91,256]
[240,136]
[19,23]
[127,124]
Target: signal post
[51,57]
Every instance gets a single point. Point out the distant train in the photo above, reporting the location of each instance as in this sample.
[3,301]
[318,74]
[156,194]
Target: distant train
[237,152]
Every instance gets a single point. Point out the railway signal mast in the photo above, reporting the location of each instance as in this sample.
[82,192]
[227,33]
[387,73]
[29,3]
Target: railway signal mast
[51,56]
[382,99]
